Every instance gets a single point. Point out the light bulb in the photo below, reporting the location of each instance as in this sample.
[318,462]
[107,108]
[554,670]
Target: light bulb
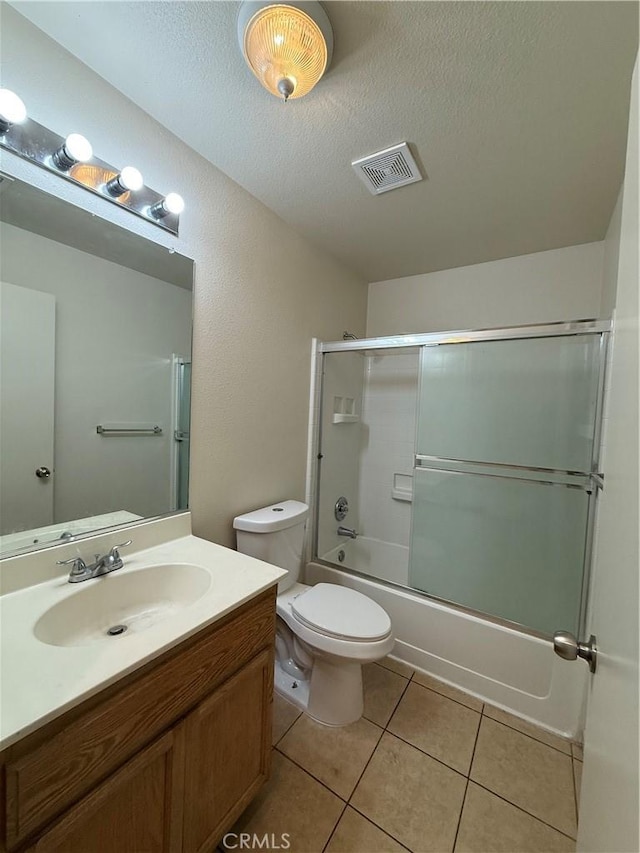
[171,203]
[12,110]
[128,180]
[174,203]
[76,149]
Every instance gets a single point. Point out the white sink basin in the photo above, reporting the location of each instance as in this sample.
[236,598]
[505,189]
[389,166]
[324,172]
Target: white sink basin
[135,600]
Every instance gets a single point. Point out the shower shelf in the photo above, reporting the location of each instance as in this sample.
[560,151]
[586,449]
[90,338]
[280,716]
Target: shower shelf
[345,419]
[402,487]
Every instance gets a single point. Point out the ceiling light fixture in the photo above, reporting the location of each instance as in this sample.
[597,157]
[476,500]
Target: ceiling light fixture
[288,46]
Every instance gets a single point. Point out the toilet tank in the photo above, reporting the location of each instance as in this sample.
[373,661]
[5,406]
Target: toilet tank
[275,534]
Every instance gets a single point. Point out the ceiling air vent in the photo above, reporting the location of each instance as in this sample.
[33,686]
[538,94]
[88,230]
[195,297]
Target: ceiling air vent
[394,167]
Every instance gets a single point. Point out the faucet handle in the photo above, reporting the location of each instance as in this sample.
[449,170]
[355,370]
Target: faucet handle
[79,565]
[114,553]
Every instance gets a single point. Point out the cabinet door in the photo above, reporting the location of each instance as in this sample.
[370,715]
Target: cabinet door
[137,810]
[228,752]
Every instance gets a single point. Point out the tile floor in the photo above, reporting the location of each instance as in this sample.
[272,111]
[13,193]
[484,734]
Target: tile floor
[428,769]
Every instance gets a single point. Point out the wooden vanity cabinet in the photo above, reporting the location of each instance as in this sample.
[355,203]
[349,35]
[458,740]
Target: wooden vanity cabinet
[162,763]
[228,750]
[137,809]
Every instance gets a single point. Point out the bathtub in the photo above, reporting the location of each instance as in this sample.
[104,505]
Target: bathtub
[498,664]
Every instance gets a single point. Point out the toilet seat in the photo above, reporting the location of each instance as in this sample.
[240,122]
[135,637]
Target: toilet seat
[361,650]
[341,613]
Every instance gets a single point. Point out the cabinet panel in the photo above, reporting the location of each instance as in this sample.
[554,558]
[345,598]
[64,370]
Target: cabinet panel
[228,752]
[72,755]
[137,810]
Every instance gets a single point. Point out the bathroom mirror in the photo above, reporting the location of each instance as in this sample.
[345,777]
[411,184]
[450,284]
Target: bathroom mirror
[95,369]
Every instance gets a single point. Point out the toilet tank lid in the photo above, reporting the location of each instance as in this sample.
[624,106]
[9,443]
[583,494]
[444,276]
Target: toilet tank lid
[269,519]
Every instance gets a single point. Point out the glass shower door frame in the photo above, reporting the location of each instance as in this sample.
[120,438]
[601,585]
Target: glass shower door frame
[179,465]
[590,481]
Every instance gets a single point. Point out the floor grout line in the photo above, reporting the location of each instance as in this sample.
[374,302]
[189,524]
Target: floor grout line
[333,831]
[526,734]
[315,778]
[466,787]
[576,797]
[304,770]
[516,806]
[373,752]
[288,729]
[395,671]
[377,825]
[428,754]
[450,698]
[412,679]
[464,799]
[395,707]
[364,769]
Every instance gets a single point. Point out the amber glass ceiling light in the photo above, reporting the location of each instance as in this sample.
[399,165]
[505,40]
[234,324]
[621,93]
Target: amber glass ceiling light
[287,46]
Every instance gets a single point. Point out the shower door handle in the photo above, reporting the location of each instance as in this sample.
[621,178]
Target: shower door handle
[566,646]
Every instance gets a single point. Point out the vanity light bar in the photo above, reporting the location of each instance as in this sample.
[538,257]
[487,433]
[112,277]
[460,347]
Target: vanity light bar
[72,158]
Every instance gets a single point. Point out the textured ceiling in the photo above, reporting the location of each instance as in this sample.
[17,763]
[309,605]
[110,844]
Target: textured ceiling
[517,112]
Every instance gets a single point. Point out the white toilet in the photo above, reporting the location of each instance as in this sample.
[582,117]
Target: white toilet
[324,632]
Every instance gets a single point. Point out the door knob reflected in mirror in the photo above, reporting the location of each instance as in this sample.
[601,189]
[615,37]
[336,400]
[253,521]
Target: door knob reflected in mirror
[566,646]
[43,473]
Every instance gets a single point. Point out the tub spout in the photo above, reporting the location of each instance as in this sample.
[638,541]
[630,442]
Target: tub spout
[347,531]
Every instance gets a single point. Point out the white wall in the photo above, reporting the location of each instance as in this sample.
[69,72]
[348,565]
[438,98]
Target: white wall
[558,285]
[116,330]
[261,290]
[610,261]
[389,426]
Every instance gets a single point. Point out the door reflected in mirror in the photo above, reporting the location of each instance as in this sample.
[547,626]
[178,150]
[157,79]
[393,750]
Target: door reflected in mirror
[95,372]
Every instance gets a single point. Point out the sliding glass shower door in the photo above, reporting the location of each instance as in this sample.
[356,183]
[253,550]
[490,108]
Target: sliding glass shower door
[505,450]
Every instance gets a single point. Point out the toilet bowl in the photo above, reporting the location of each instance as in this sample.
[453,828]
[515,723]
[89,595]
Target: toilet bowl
[325,632]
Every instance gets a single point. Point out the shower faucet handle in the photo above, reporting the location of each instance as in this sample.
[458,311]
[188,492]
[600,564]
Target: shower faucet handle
[341,508]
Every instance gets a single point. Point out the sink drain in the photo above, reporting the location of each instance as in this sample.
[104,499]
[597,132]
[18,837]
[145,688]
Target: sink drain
[116,629]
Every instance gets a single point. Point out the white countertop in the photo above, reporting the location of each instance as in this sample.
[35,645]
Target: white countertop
[40,681]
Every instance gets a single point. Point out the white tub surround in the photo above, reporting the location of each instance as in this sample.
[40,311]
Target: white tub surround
[500,665]
[41,680]
[385,480]
[379,560]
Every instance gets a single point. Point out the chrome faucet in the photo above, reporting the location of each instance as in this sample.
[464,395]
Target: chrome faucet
[80,571]
[347,531]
